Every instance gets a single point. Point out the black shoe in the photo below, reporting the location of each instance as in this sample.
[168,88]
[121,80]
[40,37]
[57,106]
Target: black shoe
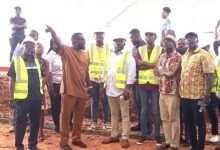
[79,144]
[141,140]
[217,147]
[41,137]
[65,147]
[56,130]
[158,142]
[33,148]
[28,128]
[185,143]
[163,146]
[135,128]
[12,129]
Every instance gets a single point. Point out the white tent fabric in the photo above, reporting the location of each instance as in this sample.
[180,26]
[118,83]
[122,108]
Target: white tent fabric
[112,16]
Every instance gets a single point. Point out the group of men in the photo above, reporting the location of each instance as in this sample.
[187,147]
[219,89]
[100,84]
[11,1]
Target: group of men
[161,79]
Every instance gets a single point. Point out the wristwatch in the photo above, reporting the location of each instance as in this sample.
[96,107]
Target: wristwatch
[127,90]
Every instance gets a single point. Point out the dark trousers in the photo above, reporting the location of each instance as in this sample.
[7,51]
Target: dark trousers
[183,128]
[12,114]
[218,107]
[14,40]
[216,44]
[212,111]
[95,102]
[137,100]
[194,118]
[31,107]
[56,105]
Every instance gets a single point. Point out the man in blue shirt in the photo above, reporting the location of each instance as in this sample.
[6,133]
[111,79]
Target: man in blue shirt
[167,23]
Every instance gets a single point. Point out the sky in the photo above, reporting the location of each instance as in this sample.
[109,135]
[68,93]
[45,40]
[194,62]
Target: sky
[115,17]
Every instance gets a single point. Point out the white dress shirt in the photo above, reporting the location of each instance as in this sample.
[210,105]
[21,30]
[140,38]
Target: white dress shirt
[55,66]
[111,89]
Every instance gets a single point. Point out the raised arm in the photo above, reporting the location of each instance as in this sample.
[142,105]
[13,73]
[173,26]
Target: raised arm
[216,34]
[54,37]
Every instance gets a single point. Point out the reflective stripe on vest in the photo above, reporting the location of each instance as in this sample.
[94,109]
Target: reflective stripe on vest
[148,76]
[121,74]
[97,61]
[21,82]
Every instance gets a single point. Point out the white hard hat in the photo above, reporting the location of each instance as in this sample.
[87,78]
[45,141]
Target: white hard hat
[119,36]
[151,30]
[28,39]
[39,41]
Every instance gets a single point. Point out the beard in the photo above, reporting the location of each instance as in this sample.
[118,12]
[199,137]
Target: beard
[81,47]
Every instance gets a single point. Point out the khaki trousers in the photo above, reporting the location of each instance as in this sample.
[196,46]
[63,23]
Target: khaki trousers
[75,105]
[117,106]
[170,116]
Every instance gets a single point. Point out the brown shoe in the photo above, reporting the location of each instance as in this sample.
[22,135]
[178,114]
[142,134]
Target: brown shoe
[173,148]
[190,148]
[124,143]
[79,144]
[217,147]
[163,146]
[110,140]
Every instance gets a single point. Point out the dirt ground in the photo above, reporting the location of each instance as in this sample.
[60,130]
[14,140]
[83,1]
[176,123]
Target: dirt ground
[52,142]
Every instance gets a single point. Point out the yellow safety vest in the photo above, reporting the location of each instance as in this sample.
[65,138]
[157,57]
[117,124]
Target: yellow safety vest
[216,79]
[121,74]
[148,76]
[97,60]
[21,82]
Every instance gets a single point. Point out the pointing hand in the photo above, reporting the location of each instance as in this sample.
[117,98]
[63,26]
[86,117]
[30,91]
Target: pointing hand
[49,29]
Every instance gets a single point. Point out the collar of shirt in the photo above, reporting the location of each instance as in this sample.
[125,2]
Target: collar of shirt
[17,17]
[81,50]
[120,52]
[27,60]
[52,52]
[171,54]
[150,48]
[100,46]
[197,50]
[30,63]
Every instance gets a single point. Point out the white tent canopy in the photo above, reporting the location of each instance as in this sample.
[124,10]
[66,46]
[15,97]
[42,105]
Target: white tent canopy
[111,16]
